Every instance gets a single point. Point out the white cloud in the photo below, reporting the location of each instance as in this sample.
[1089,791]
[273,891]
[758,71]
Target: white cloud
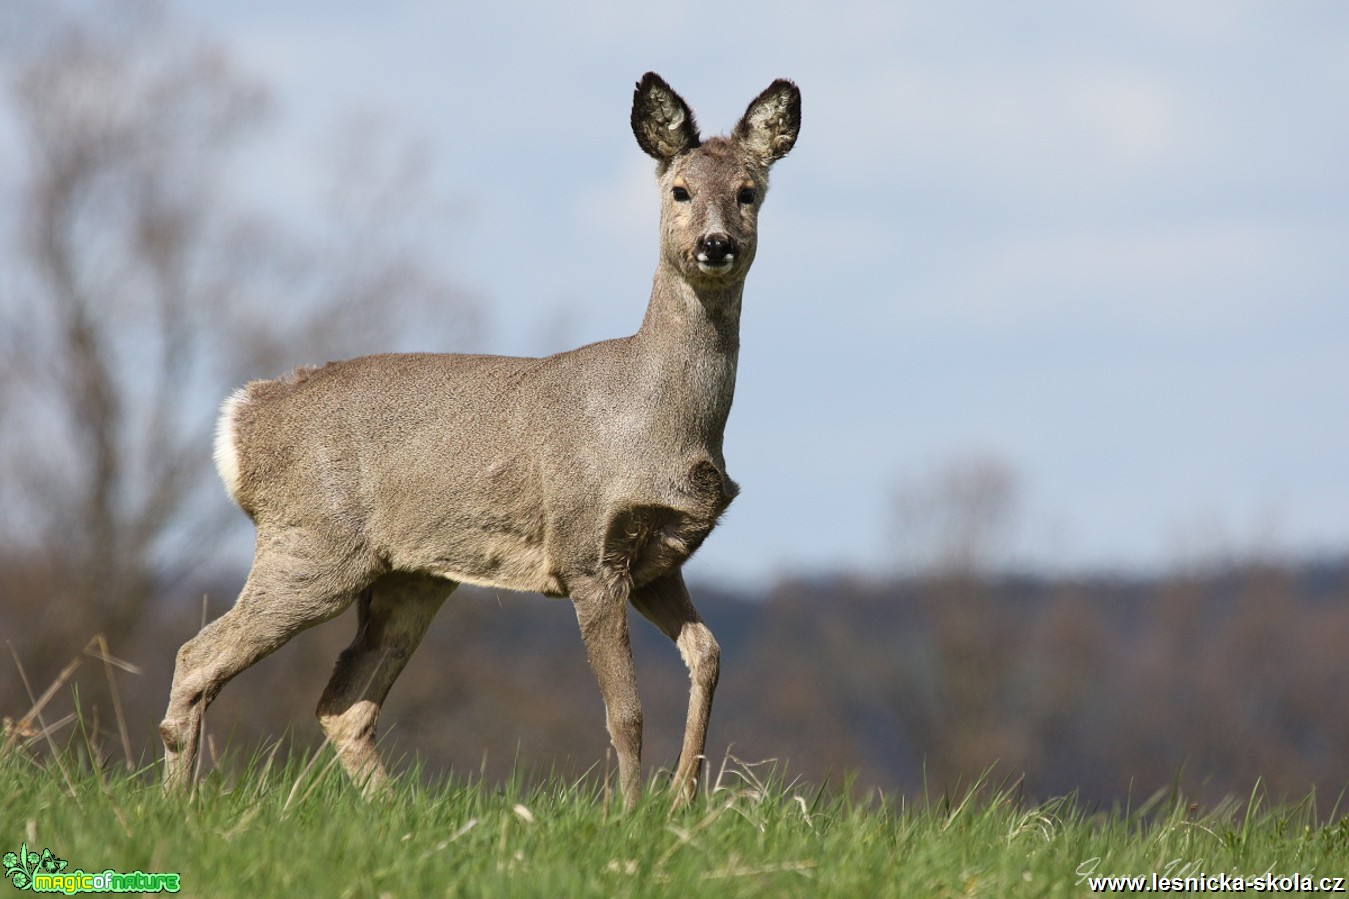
[1174,278]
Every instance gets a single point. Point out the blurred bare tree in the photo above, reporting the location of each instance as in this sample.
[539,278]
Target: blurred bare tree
[954,527]
[957,519]
[138,289]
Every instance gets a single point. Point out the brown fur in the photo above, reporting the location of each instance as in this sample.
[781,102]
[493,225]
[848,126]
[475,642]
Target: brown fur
[593,474]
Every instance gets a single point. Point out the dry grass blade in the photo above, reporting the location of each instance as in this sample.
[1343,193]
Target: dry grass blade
[733,868]
[201,727]
[36,710]
[754,785]
[314,782]
[34,713]
[98,649]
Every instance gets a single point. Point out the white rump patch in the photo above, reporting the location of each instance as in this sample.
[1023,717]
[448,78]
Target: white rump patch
[226,444]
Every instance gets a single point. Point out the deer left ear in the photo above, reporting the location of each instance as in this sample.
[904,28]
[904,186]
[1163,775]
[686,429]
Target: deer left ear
[769,127]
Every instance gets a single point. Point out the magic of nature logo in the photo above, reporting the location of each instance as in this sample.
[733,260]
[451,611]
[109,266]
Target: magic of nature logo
[45,873]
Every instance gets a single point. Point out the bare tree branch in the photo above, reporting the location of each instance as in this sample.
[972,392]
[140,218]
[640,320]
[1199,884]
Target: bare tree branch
[138,291]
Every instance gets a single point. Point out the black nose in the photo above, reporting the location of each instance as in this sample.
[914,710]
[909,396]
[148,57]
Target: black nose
[716,248]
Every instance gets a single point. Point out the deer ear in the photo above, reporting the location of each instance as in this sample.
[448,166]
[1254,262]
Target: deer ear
[661,120]
[769,127]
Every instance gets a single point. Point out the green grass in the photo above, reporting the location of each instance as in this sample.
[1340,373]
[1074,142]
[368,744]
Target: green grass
[283,828]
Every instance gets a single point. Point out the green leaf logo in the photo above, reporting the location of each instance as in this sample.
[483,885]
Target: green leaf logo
[22,865]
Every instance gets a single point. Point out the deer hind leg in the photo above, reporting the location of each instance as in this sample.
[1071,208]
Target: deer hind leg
[603,616]
[393,615]
[290,587]
[666,603]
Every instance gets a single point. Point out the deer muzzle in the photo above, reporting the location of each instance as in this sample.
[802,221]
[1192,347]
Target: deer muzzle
[716,251]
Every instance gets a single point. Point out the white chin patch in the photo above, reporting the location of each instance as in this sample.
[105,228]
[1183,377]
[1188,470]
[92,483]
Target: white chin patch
[708,269]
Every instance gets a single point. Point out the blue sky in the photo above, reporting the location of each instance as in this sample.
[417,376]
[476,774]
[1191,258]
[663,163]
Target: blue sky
[1106,244]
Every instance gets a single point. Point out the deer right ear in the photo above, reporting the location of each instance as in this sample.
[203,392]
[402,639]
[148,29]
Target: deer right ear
[661,120]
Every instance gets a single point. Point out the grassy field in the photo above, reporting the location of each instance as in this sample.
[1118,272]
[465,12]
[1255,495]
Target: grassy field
[297,828]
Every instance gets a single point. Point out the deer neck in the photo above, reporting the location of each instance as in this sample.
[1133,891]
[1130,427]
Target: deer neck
[689,342]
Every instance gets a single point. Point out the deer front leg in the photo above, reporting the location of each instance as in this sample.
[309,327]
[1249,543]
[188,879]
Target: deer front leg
[603,617]
[666,603]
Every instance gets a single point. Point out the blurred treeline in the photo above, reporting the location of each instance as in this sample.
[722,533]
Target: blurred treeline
[1112,687]
[139,285]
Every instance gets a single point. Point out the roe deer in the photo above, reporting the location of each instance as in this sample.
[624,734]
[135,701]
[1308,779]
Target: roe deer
[592,474]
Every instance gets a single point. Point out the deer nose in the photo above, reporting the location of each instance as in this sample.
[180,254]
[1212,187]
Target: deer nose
[716,249]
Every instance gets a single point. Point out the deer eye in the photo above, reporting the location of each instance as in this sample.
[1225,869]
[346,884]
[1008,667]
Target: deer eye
[680,194]
[747,196]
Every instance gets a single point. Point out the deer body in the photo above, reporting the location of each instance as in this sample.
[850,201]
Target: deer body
[483,486]
[593,474]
